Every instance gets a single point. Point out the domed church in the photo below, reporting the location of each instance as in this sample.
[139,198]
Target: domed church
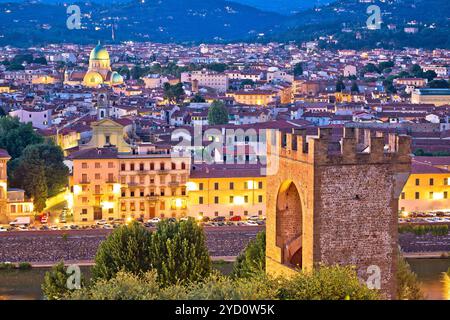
[99,72]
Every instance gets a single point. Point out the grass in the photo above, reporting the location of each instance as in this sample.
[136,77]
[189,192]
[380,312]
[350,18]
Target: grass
[437,230]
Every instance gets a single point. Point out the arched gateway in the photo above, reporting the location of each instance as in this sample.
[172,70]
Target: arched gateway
[335,202]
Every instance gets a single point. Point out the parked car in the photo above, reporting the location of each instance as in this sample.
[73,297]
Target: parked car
[252,223]
[206,219]
[3,229]
[23,221]
[101,222]
[154,220]
[172,220]
[236,218]
[219,219]
[253,218]
[44,218]
[184,219]
[107,226]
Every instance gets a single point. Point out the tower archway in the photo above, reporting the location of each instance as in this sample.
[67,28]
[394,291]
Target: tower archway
[289,224]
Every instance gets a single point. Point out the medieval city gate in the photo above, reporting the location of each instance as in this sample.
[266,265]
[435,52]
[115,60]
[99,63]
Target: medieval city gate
[335,202]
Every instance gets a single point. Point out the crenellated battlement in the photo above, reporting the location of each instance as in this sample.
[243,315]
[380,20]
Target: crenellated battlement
[357,146]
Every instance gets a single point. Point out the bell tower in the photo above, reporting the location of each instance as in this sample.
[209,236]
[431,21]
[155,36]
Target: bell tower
[102,106]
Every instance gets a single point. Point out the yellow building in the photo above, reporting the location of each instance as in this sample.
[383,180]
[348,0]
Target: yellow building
[109,132]
[438,97]
[111,185]
[254,97]
[428,186]
[226,191]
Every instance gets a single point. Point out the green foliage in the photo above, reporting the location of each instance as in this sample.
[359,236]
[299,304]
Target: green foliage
[54,286]
[7,266]
[179,252]
[408,287]
[419,230]
[340,86]
[198,99]
[252,261]
[173,93]
[41,172]
[382,66]
[16,136]
[326,283]
[218,67]
[439,84]
[217,113]
[126,249]
[24,266]
[298,69]
[354,87]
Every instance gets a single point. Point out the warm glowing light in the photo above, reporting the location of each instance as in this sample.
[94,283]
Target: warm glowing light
[239,200]
[178,203]
[107,205]
[129,219]
[251,185]
[191,186]
[405,214]
[57,221]
[117,188]
[200,218]
[438,196]
[70,201]
[77,189]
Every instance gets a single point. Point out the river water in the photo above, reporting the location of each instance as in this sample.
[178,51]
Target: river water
[26,285]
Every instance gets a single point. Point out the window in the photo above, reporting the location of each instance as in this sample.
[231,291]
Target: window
[162,166]
[97,176]
[107,139]
[152,166]
[417,182]
[110,165]
[231,185]
[245,213]
[446,181]
[431,195]
[260,198]
[216,213]
[84,165]
[163,192]
[216,200]
[200,186]
[431,181]
[231,199]
[231,213]
[403,196]
[260,185]
[216,186]
[141,167]
[246,199]
[183,166]
[141,193]
[84,211]
[200,200]
[97,165]
[445,195]
[122,167]
[417,195]
[174,166]
[131,193]
[131,166]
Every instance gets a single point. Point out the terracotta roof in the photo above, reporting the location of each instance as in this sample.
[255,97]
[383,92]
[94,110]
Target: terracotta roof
[94,153]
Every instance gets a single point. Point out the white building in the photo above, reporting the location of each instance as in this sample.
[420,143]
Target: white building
[40,118]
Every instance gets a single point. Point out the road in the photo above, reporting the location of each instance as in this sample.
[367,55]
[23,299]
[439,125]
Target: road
[81,245]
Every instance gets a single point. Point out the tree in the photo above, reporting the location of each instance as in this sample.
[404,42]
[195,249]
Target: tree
[340,86]
[326,283]
[430,75]
[370,68]
[126,249]
[40,60]
[385,65]
[247,82]
[40,171]
[54,286]
[416,71]
[179,252]
[173,93]
[354,87]
[217,113]
[439,84]
[16,136]
[298,69]
[218,67]
[408,287]
[252,261]
[198,99]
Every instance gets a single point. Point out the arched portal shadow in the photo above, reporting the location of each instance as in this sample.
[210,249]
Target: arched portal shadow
[289,229]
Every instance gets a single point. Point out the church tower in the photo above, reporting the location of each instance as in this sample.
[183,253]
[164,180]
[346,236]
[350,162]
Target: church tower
[102,106]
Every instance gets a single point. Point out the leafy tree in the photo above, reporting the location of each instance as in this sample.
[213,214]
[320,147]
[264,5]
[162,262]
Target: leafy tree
[40,60]
[126,249]
[354,87]
[408,287]
[370,68]
[198,99]
[298,69]
[416,71]
[173,93]
[439,84]
[54,286]
[382,66]
[2,112]
[252,261]
[430,75]
[179,252]
[326,283]
[218,67]
[217,113]
[40,171]
[16,136]
[340,86]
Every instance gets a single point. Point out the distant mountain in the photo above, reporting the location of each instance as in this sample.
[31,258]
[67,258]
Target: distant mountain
[341,24]
[344,20]
[284,6]
[34,22]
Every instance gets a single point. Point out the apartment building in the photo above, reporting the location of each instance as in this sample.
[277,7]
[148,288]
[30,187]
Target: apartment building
[210,79]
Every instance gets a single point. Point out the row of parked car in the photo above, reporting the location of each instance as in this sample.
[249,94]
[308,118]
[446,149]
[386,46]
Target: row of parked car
[425,220]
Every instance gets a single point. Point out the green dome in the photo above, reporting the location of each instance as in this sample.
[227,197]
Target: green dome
[99,53]
[116,78]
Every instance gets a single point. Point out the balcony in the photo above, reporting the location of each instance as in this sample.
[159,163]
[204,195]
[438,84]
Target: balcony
[174,184]
[153,198]
[84,181]
[165,171]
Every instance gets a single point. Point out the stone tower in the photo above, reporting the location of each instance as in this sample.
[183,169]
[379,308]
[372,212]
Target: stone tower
[336,202]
